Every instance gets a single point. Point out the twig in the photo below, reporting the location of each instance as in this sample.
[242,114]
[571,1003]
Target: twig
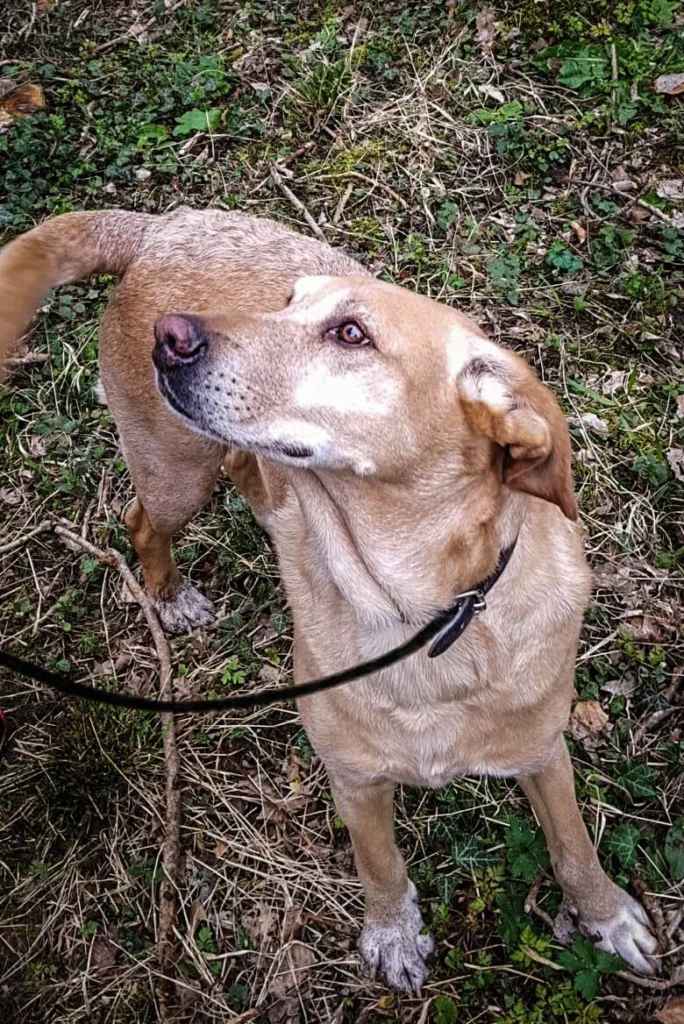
[297,203]
[12,545]
[655,984]
[171,847]
[652,720]
[131,35]
[344,199]
[29,358]
[531,904]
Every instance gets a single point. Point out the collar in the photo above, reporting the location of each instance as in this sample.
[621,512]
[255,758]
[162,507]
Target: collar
[466,606]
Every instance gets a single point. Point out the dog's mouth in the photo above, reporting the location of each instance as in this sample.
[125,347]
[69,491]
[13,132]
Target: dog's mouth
[276,450]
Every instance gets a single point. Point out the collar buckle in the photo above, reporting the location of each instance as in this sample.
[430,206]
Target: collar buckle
[467,605]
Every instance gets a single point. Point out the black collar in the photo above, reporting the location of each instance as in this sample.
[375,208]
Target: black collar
[467,605]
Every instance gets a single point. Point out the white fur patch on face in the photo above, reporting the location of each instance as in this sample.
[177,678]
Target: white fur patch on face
[299,432]
[344,392]
[314,299]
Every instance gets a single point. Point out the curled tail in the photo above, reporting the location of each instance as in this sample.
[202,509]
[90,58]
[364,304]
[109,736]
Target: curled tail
[62,250]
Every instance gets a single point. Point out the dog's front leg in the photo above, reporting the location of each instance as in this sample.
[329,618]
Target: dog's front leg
[391,942]
[604,912]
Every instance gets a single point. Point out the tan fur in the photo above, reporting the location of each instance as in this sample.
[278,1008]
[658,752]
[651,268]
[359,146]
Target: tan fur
[389,478]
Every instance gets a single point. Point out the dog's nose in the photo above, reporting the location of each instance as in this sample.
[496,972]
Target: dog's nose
[180,340]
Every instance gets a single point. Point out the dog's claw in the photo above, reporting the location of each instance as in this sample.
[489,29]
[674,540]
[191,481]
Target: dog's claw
[396,953]
[627,933]
[188,610]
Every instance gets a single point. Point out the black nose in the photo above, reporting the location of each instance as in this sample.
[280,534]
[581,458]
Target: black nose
[180,340]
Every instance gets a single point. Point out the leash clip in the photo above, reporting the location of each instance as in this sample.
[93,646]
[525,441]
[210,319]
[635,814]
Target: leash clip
[468,604]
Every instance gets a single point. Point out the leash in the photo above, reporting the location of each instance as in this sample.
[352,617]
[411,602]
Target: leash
[443,629]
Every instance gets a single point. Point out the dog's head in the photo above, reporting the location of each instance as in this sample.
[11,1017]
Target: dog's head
[360,376]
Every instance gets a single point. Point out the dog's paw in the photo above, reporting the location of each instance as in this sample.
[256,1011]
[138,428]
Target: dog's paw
[186,611]
[627,933]
[397,952]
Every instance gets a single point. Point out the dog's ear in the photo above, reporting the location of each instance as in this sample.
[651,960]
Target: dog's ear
[503,399]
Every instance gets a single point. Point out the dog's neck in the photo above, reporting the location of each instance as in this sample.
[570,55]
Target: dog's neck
[401,553]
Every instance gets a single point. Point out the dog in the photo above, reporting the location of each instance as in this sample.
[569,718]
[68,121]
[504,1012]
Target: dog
[393,453]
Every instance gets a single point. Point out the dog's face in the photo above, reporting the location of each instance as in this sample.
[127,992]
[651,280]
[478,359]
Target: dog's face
[360,376]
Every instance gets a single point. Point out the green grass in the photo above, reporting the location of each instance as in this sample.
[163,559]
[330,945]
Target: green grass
[520,185]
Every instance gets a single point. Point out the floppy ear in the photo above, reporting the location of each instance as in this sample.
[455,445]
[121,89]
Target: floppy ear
[504,400]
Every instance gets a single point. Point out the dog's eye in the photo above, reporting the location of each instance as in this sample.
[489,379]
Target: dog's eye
[349,334]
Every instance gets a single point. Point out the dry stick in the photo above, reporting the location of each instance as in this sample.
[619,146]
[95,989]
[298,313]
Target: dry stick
[172,816]
[12,545]
[298,204]
[131,35]
[29,359]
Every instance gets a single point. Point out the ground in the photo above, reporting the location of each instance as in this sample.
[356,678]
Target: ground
[523,171]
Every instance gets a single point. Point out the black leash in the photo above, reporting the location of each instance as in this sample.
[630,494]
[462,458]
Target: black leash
[446,627]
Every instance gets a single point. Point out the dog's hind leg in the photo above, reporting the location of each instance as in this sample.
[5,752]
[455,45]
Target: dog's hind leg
[605,913]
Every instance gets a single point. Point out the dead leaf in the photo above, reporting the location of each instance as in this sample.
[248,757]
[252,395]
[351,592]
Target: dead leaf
[590,421]
[672,1012]
[621,687]
[492,92]
[10,496]
[103,954]
[587,719]
[671,188]
[520,178]
[680,407]
[485,24]
[220,848]
[670,85]
[24,101]
[293,922]
[645,628]
[614,382]
[579,231]
[261,924]
[291,974]
[675,457]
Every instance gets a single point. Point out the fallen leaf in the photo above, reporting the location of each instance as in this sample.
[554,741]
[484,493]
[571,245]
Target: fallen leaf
[587,719]
[24,101]
[614,382]
[103,955]
[261,925]
[220,848]
[621,687]
[10,496]
[492,92]
[671,188]
[520,178]
[680,407]
[670,85]
[579,231]
[295,962]
[485,24]
[672,1012]
[675,457]
[590,421]
[645,628]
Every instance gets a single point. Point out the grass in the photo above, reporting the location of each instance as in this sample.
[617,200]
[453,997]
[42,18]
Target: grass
[521,184]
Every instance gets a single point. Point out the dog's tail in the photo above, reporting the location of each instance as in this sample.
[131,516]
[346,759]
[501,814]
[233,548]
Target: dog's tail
[62,250]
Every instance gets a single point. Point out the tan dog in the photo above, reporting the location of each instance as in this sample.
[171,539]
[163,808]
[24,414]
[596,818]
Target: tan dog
[392,452]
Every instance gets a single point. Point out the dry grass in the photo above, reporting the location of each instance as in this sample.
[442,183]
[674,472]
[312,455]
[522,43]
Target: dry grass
[373,120]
